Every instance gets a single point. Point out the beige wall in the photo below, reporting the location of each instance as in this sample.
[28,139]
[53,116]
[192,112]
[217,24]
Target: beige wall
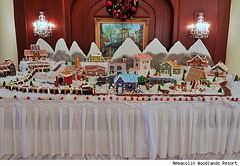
[233,49]
[8,46]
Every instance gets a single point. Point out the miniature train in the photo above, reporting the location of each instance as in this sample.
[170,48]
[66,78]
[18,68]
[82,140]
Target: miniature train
[82,90]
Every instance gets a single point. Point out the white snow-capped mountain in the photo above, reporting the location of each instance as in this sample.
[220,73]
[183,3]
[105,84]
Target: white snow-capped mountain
[61,46]
[45,46]
[93,49]
[127,48]
[76,49]
[178,48]
[199,47]
[155,47]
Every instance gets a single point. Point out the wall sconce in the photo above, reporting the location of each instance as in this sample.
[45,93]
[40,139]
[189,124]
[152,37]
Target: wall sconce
[201,29]
[42,27]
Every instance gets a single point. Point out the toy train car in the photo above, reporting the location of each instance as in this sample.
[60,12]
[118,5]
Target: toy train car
[82,90]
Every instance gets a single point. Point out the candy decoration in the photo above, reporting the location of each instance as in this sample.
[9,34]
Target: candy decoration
[28,98]
[104,98]
[156,99]
[168,99]
[87,98]
[122,9]
[75,98]
[180,99]
[203,99]
[39,98]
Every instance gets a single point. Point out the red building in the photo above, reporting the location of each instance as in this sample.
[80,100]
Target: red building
[197,61]
[35,53]
[95,70]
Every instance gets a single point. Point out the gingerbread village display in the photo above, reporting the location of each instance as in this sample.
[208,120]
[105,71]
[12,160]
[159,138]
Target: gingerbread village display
[136,75]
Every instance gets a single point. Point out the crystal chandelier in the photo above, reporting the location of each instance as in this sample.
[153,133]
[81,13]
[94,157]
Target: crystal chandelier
[201,29]
[42,27]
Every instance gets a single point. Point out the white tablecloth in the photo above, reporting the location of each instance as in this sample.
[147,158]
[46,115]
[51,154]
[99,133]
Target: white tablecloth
[125,129]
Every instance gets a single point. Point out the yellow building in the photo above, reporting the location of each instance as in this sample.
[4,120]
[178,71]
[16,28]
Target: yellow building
[96,57]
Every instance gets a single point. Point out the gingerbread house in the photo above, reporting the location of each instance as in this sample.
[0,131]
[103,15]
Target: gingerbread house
[95,70]
[195,74]
[170,67]
[35,54]
[125,83]
[142,62]
[219,70]
[7,68]
[197,61]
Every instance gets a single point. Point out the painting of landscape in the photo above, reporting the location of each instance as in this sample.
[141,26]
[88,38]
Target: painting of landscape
[112,35]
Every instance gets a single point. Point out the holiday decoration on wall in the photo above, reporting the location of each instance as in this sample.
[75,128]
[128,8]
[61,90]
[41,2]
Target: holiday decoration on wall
[122,9]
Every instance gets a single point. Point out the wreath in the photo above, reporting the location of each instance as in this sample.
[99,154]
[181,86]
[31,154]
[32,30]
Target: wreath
[122,9]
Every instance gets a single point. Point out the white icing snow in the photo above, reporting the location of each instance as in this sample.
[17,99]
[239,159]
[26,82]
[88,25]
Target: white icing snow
[199,47]
[61,46]
[94,49]
[45,46]
[155,47]
[127,48]
[75,48]
[178,48]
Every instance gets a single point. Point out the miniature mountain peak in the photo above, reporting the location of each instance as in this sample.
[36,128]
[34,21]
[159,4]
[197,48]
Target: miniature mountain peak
[93,49]
[199,47]
[76,49]
[61,46]
[155,47]
[45,46]
[128,47]
[178,48]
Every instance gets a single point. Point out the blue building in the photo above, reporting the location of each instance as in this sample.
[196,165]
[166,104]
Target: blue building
[125,83]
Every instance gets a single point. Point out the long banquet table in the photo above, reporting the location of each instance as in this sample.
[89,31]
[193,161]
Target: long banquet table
[151,129]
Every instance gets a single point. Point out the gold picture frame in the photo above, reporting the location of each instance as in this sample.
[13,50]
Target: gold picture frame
[140,36]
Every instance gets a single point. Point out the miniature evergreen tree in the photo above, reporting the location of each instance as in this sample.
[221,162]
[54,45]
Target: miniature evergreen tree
[4,84]
[31,83]
[84,59]
[87,79]
[99,83]
[148,73]
[73,63]
[236,78]
[142,80]
[214,79]
[208,85]
[175,82]
[162,83]
[26,69]
[148,88]
[170,74]
[159,87]
[135,72]
[94,86]
[66,63]
[110,72]
[128,72]
[220,90]
[110,85]
[34,79]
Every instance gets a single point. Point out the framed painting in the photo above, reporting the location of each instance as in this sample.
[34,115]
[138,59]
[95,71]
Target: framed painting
[111,33]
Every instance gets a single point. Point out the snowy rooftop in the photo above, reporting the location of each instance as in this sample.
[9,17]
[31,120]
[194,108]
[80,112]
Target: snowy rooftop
[127,77]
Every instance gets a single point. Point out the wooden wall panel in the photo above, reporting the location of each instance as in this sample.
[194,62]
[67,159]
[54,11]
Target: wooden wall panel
[74,21]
